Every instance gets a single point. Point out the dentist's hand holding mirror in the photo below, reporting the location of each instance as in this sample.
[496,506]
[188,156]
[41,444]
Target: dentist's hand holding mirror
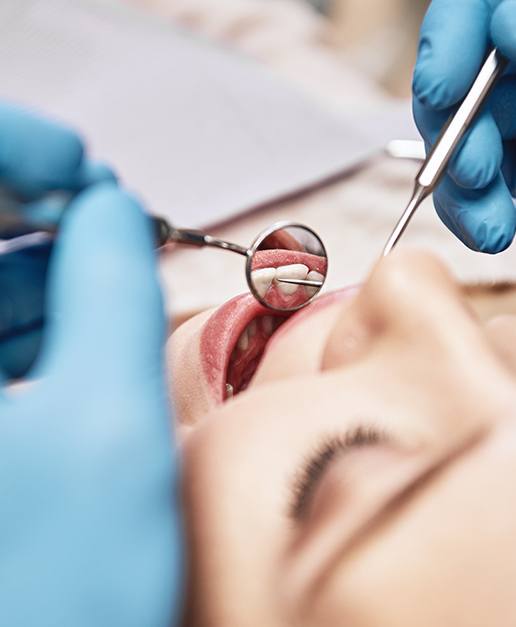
[89,523]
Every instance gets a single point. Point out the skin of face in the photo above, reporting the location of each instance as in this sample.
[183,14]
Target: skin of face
[413,526]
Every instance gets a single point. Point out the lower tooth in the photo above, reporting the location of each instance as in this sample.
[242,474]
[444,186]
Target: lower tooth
[268,325]
[243,341]
[229,390]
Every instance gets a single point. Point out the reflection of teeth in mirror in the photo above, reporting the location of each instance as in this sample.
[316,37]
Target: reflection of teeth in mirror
[313,276]
[262,279]
[295,271]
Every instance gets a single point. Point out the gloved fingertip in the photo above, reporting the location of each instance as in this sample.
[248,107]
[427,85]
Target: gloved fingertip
[37,155]
[484,220]
[113,219]
[475,174]
[104,294]
[432,89]
[486,237]
[480,157]
[503,28]
[94,172]
[495,239]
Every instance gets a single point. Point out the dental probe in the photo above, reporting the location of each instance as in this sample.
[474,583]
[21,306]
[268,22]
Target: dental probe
[306,282]
[444,148]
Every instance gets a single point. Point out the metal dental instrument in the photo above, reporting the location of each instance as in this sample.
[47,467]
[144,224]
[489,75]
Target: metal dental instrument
[300,282]
[437,161]
[287,238]
[282,235]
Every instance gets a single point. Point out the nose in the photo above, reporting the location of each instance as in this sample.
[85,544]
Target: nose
[409,297]
[411,330]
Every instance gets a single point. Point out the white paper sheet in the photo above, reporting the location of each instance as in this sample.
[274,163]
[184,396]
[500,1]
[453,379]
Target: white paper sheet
[199,132]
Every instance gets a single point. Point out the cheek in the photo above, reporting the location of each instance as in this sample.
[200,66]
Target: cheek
[502,333]
[447,557]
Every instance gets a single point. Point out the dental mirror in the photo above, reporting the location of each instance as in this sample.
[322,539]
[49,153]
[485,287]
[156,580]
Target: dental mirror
[286,266]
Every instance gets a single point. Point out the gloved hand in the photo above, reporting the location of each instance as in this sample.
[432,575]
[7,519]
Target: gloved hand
[474,200]
[88,531]
[37,157]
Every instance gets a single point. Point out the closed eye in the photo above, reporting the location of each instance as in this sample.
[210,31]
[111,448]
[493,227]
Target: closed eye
[317,464]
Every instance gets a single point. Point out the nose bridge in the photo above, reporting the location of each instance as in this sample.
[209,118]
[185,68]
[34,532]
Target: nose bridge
[419,301]
[409,281]
[413,295]
[412,306]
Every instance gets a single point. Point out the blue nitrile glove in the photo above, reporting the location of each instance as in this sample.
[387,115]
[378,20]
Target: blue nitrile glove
[474,200]
[89,535]
[37,157]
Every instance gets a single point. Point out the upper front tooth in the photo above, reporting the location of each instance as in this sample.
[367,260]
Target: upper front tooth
[262,279]
[294,271]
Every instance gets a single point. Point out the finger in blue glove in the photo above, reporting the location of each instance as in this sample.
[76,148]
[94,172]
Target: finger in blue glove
[89,532]
[455,38]
[38,156]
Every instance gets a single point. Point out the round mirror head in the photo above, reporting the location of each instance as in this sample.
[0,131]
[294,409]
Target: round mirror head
[286,266]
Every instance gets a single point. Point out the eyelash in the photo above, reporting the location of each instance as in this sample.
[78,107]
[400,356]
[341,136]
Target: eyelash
[313,469]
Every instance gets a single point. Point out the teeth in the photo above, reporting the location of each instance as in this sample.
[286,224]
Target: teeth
[262,279]
[313,276]
[294,271]
[243,341]
[229,390]
[251,329]
[268,325]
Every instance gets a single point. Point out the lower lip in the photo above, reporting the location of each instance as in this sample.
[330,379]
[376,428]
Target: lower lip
[221,332]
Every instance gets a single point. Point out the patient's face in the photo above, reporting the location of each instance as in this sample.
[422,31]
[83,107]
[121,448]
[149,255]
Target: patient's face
[365,474]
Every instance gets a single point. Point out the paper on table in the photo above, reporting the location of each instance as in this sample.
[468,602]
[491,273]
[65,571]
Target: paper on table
[199,132]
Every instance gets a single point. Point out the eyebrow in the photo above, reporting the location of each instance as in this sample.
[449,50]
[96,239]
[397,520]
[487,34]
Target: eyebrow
[317,465]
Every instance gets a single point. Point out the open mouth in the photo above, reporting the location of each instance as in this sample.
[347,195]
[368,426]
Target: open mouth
[234,339]
[233,342]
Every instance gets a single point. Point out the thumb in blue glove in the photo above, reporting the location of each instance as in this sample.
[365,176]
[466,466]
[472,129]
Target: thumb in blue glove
[475,198]
[37,157]
[89,534]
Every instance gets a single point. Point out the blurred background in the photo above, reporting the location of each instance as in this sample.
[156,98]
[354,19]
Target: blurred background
[379,36]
